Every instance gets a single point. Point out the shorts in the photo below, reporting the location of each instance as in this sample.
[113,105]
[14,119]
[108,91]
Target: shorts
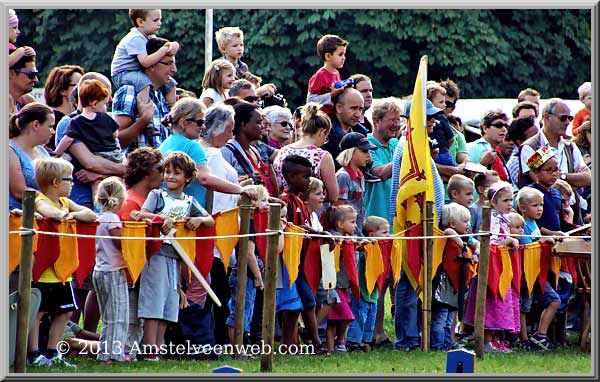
[87,282]
[115,155]
[158,298]
[327,296]
[546,298]
[305,292]
[57,297]
[139,80]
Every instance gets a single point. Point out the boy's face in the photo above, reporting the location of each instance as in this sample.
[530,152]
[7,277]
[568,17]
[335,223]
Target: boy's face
[439,100]
[65,184]
[587,101]
[315,199]
[13,33]
[298,181]
[533,208]
[382,231]
[516,229]
[234,49]
[463,196]
[548,173]
[461,226]
[151,23]
[347,226]
[337,58]
[174,178]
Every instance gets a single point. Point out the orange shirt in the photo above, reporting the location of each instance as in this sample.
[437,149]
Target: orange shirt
[133,202]
[578,120]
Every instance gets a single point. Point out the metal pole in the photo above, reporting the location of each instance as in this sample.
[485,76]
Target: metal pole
[24,296]
[208,38]
[242,275]
[268,324]
[482,281]
[427,252]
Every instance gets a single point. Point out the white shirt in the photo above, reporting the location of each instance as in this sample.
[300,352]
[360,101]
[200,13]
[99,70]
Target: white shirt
[559,155]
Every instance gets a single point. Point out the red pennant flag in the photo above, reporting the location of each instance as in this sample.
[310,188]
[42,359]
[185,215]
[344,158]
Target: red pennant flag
[349,256]
[261,220]
[86,250]
[494,270]
[516,257]
[386,252]
[568,264]
[48,248]
[546,252]
[414,252]
[312,263]
[205,250]
[450,263]
[153,230]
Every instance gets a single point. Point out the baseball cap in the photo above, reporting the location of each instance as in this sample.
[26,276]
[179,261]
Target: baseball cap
[430,110]
[354,139]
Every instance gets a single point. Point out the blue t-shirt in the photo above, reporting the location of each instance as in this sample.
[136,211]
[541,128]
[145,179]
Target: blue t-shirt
[125,57]
[178,142]
[530,228]
[552,205]
[377,194]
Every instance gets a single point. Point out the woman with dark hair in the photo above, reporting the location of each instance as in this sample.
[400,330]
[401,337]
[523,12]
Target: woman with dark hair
[240,152]
[29,130]
[57,91]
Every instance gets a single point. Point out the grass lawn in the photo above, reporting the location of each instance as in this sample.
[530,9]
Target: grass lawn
[379,361]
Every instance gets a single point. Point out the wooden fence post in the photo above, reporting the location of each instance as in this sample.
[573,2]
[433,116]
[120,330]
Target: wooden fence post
[24,294]
[427,254]
[482,281]
[242,276]
[268,324]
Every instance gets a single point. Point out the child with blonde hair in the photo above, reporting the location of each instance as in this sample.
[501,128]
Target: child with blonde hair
[230,41]
[217,81]
[54,177]
[109,277]
[585,96]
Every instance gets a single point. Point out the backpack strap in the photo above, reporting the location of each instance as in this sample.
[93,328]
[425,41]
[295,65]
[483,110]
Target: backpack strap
[240,158]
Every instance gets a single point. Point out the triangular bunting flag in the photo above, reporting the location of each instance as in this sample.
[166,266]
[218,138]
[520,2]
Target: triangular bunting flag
[68,260]
[261,220]
[134,251]
[227,223]
[291,251]
[531,263]
[86,250]
[507,273]
[373,265]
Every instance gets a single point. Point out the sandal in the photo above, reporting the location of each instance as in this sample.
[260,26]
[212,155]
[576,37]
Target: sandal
[321,349]
[353,347]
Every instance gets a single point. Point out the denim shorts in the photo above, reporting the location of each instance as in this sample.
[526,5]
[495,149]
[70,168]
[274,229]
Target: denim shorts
[546,298]
[306,294]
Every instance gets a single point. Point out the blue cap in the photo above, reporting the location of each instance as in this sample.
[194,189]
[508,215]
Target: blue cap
[431,109]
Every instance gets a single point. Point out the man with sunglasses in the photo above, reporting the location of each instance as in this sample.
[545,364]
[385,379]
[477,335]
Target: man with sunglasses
[22,77]
[556,117]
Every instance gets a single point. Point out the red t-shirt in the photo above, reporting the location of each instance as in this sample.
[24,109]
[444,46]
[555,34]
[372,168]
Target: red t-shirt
[320,83]
[297,213]
[578,120]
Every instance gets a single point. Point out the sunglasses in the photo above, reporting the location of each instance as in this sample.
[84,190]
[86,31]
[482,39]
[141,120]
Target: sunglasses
[500,125]
[450,104]
[30,74]
[199,122]
[169,64]
[563,117]
[284,123]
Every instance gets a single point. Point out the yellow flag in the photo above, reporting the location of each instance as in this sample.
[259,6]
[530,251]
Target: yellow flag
[507,272]
[396,257]
[531,263]
[134,251]
[68,259]
[336,254]
[555,268]
[189,246]
[292,246]
[416,177]
[14,241]
[226,223]
[373,265]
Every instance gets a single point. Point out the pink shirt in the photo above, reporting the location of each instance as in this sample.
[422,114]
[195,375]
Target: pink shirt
[108,257]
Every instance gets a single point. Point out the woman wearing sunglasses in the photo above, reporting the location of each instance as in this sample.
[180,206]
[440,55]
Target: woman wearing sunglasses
[280,126]
[186,119]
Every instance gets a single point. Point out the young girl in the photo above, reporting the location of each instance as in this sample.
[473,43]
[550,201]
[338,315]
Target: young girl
[109,278]
[499,314]
[254,278]
[159,297]
[217,81]
[13,33]
[340,221]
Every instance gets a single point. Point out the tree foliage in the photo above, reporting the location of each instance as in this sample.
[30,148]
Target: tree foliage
[489,53]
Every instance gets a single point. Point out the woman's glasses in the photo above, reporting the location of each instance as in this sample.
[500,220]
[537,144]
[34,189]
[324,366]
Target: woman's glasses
[283,123]
[500,125]
[199,122]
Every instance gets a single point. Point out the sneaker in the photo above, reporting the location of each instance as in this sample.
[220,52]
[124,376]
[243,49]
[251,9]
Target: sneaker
[58,360]
[490,348]
[540,341]
[370,178]
[151,357]
[129,358]
[353,347]
[502,346]
[340,348]
[39,360]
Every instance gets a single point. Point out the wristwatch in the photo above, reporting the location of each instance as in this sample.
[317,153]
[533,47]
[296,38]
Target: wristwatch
[563,175]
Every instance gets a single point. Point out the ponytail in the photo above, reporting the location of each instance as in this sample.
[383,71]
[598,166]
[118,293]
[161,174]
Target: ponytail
[19,121]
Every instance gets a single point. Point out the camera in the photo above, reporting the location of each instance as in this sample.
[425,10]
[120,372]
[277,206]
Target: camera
[276,99]
[349,82]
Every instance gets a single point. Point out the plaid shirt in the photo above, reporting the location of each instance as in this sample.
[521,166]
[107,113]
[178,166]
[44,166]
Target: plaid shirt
[125,103]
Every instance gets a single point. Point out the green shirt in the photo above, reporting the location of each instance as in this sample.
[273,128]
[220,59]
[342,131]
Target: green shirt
[377,195]
[458,147]
[362,281]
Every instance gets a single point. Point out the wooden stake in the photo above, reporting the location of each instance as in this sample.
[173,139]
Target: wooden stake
[482,281]
[268,323]
[242,276]
[24,294]
[427,254]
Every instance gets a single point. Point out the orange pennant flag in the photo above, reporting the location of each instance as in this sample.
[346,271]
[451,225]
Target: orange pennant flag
[227,223]
[68,259]
[336,254]
[14,241]
[507,272]
[439,243]
[555,263]
[189,246]
[532,254]
[292,246]
[373,265]
[134,251]
[396,257]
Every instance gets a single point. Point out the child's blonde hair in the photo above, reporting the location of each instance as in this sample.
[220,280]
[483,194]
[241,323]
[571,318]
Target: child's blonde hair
[313,185]
[345,156]
[457,182]
[515,220]
[225,34]
[335,214]
[527,194]
[584,89]
[454,211]
[49,169]
[373,223]
[262,194]
[434,87]
[111,193]
[564,188]
[214,73]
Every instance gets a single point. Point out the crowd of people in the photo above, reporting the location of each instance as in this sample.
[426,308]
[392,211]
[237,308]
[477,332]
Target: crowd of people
[333,167]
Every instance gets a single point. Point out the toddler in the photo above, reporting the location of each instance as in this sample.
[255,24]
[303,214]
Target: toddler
[15,53]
